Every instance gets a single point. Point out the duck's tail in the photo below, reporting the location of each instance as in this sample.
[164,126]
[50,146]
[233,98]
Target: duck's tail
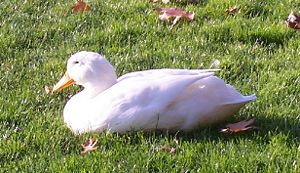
[250,98]
[241,101]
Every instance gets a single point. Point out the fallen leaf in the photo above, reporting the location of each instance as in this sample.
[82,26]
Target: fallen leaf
[293,20]
[81,6]
[176,13]
[232,10]
[89,145]
[239,126]
[47,90]
[168,149]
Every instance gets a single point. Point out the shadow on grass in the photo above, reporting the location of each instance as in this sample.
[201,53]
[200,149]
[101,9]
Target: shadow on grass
[270,39]
[267,128]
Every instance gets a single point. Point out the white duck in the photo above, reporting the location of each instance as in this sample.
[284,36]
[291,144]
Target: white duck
[163,99]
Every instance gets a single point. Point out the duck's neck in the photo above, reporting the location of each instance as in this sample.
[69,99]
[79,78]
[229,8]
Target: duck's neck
[93,89]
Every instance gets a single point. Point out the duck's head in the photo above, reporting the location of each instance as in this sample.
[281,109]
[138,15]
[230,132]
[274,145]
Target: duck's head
[90,70]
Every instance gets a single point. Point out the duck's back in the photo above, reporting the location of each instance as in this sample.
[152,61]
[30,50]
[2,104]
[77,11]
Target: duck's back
[143,101]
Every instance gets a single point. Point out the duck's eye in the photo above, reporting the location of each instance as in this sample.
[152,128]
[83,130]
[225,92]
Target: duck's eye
[76,62]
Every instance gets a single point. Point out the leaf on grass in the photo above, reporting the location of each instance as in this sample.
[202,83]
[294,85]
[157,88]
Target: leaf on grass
[293,20]
[47,90]
[81,6]
[239,126]
[232,10]
[176,13]
[89,145]
[168,149]
[164,1]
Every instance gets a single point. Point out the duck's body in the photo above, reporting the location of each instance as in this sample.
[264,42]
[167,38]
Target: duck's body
[166,99]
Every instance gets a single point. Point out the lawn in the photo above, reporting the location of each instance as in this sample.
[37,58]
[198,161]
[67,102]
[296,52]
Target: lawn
[257,53]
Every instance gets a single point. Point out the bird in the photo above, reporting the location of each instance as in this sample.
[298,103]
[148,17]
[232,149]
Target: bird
[155,99]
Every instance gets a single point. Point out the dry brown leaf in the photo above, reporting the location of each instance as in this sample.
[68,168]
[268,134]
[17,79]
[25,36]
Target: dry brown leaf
[176,13]
[239,126]
[89,145]
[293,20]
[47,90]
[232,10]
[168,149]
[81,6]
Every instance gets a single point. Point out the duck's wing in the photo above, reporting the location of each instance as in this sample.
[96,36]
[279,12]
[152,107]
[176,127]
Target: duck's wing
[136,103]
[155,73]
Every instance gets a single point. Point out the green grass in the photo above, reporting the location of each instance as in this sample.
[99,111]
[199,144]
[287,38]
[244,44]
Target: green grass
[258,54]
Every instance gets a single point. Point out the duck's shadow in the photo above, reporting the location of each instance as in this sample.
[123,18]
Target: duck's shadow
[266,129]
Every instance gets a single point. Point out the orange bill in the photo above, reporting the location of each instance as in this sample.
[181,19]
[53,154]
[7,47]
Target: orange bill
[64,82]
